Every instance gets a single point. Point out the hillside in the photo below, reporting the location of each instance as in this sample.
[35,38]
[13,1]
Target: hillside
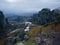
[49,29]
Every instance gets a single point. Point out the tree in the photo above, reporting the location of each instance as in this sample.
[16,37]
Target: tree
[43,16]
[55,14]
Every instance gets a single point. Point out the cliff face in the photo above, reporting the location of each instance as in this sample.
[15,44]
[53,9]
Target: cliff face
[3,24]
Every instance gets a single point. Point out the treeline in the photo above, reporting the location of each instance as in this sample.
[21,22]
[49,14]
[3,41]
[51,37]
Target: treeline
[45,16]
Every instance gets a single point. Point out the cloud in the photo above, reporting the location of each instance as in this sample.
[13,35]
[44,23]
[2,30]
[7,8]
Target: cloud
[28,5]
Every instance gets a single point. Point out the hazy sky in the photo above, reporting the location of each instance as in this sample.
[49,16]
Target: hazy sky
[27,5]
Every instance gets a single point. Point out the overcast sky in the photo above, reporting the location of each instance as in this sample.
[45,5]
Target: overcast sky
[27,5]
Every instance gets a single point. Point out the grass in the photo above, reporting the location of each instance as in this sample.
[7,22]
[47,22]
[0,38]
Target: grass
[33,30]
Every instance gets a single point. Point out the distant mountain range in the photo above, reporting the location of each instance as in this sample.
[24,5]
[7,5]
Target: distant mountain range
[19,14]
